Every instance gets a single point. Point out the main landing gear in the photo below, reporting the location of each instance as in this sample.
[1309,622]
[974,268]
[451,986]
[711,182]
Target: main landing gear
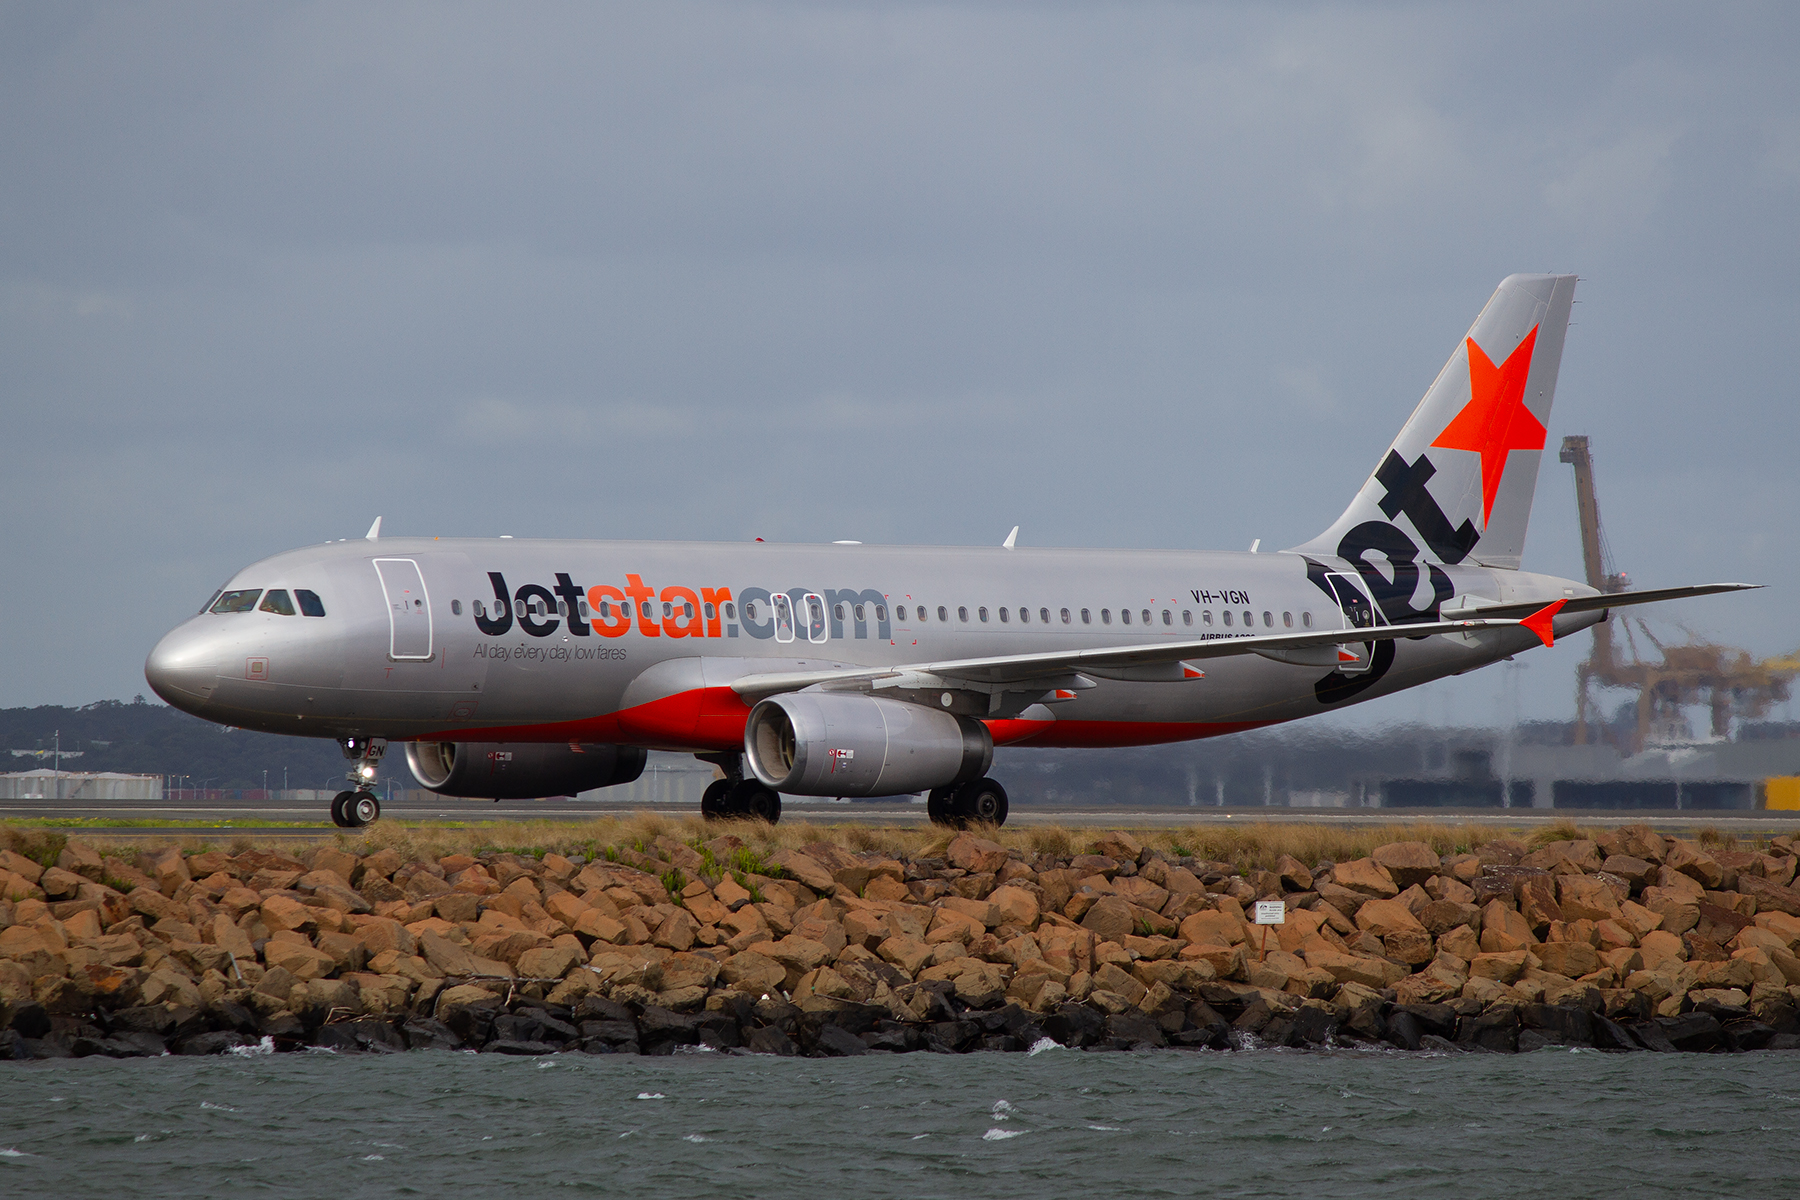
[737,798]
[978,802]
[358,807]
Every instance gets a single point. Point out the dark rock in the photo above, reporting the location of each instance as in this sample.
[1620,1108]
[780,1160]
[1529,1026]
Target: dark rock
[423,1033]
[599,1008]
[41,1048]
[1205,1038]
[471,1023]
[718,1030]
[532,1025]
[660,1030]
[1255,1017]
[845,1014]
[1781,1041]
[1432,1041]
[30,1020]
[1747,1034]
[1135,1028]
[375,1035]
[835,1041]
[1405,1030]
[283,1027]
[1610,1035]
[217,1042]
[894,1036]
[1532,1039]
[769,1039]
[1435,1018]
[957,1035]
[1011,1020]
[1074,1025]
[1496,1029]
[615,1033]
[1650,1036]
[153,1018]
[521,1049]
[1561,1024]
[223,1014]
[1314,1024]
[1278,1031]
[1004,1042]
[1692,1031]
[339,1037]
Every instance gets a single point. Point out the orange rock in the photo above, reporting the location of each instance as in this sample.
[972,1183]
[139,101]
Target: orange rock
[1366,877]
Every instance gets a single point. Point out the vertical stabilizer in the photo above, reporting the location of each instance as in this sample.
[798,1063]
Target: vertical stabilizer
[1457,483]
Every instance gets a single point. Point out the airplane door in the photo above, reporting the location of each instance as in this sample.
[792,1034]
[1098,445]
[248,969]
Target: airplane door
[1355,612]
[409,609]
[817,630]
[783,606]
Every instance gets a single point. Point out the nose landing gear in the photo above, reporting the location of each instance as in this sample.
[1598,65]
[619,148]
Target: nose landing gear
[358,807]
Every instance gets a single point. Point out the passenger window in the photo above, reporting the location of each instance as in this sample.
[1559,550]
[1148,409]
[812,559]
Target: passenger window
[749,610]
[668,610]
[310,604]
[480,611]
[943,613]
[581,606]
[710,612]
[1125,616]
[606,610]
[1024,616]
[456,608]
[858,610]
[1065,616]
[1044,615]
[1187,616]
[519,608]
[277,602]
[881,612]
[1227,616]
[962,612]
[1206,616]
[647,610]
[982,613]
[562,608]
[899,612]
[209,603]
[1306,619]
[1168,617]
[730,612]
[236,602]
[1268,620]
[1003,616]
[1106,616]
[687,610]
[837,612]
[1146,616]
[1250,619]
[1287,620]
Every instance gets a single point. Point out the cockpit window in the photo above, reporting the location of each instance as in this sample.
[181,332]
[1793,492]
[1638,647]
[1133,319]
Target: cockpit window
[208,605]
[236,602]
[310,604]
[277,602]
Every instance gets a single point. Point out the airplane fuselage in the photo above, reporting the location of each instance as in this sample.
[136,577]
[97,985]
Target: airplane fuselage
[636,643]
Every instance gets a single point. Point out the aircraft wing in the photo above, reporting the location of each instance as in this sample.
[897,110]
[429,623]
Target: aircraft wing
[1577,604]
[1021,668]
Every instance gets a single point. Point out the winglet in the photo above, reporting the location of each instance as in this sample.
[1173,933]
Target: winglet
[1011,539]
[1542,621]
[374,530]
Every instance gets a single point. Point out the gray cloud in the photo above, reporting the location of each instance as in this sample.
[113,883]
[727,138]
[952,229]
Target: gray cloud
[1126,275]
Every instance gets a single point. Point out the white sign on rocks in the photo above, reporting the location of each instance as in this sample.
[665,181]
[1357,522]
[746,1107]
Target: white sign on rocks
[1271,912]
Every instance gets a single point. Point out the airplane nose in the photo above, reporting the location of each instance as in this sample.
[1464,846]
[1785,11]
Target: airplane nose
[181,670]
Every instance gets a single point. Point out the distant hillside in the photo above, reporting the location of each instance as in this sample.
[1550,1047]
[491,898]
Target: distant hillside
[151,739]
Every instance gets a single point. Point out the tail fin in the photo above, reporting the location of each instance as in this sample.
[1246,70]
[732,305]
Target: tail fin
[1458,480]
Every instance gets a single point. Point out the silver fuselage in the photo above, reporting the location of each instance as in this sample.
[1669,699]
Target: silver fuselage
[400,654]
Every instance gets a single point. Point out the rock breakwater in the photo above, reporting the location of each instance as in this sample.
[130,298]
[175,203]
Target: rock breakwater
[1628,941]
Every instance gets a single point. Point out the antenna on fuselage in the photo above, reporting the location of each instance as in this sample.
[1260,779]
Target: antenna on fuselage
[1011,539]
[374,530]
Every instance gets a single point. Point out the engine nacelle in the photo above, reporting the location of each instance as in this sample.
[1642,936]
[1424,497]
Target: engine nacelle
[521,770]
[825,744]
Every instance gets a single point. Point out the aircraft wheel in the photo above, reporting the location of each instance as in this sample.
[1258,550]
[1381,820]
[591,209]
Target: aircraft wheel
[712,801]
[362,808]
[749,798]
[981,802]
[940,806]
[339,816]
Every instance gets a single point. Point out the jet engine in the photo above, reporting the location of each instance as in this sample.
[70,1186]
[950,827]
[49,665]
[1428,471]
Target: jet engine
[521,770]
[826,744]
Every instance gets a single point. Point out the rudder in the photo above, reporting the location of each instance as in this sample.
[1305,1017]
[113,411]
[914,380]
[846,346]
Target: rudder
[1458,480]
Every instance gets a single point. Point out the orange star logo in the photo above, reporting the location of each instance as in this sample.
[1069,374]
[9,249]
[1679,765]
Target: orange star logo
[1495,422]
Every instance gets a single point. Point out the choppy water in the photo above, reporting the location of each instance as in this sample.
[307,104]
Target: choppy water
[1053,1124]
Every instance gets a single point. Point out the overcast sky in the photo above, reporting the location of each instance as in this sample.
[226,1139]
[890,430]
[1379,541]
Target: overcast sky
[1124,275]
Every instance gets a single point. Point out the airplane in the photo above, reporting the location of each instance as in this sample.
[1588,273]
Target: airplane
[514,668]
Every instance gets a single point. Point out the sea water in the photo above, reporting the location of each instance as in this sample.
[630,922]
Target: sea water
[1056,1123]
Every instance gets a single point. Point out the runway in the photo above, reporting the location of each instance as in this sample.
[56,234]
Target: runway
[264,818]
